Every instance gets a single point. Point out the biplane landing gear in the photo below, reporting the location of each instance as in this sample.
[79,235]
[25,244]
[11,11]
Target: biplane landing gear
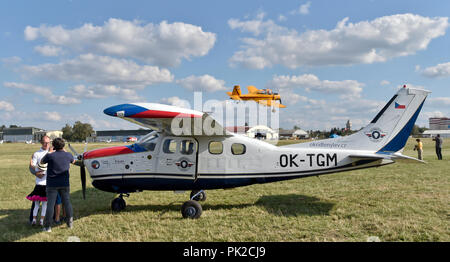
[119,204]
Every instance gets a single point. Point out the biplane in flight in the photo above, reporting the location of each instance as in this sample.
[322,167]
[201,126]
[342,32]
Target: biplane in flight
[261,96]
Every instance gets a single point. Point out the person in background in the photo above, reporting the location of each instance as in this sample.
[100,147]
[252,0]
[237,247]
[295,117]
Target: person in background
[419,148]
[58,182]
[439,141]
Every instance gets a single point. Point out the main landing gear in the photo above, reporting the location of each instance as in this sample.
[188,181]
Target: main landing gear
[192,209]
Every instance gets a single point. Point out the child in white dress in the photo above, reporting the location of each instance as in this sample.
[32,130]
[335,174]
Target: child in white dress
[39,194]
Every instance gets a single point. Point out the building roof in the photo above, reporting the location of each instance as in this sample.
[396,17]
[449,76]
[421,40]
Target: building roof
[435,132]
[284,132]
[20,130]
[300,132]
[260,128]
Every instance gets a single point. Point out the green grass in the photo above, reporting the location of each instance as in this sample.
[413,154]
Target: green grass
[399,202]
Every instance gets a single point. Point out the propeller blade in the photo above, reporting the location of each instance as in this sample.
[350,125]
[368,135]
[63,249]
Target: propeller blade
[83,180]
[73,150]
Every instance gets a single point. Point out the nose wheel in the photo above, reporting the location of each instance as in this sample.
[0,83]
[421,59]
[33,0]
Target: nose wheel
[119,204]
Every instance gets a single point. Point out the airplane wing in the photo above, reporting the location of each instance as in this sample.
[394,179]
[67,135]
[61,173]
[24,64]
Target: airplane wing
[168,119]
[270,103]
[252,89]
[233,96]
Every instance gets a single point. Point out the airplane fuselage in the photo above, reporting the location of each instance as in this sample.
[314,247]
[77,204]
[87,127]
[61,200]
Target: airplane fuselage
[190,163]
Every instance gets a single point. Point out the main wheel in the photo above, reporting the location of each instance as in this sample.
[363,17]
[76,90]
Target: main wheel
[200,197]
[191,209]
[118,204]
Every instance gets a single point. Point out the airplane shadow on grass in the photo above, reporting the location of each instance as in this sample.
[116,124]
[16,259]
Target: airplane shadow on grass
[14,222]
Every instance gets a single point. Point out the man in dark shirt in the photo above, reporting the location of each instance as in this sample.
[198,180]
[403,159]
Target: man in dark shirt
[58,181]
[439,141]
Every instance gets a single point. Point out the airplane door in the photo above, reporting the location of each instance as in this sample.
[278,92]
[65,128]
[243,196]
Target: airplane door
[178,156]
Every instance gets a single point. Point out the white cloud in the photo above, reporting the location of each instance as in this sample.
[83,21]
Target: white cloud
[102,70]
[12,60]
[51,116]
[440,70]
[385,82]
[313,114]
[6,106]
[348,43]
[304,9]
[202,83]
[256,26]
[439,102]
[48,50]
[47,95]
[31,33]
[308,82]
[104,91]
[176,101]
[163,44]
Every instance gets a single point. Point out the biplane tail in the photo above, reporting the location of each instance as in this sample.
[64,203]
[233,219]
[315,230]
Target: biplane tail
[236,93]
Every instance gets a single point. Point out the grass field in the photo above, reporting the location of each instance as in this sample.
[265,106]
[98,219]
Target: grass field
[399,202]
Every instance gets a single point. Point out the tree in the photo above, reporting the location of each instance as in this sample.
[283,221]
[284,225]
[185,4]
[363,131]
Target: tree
[67,132]
[78,132]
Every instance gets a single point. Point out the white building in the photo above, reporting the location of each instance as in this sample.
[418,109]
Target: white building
[433,133]
[301,134]
[439,123]
[262,132]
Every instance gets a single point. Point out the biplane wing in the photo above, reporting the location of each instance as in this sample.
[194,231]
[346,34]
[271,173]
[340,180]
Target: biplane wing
[252,89]
[270,103]
[171,120]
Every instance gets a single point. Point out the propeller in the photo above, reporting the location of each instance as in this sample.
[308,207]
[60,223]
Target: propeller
[79,162]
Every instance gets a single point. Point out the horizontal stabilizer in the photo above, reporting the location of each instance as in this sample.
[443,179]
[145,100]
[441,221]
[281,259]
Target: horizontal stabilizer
[407,159]
[397,157]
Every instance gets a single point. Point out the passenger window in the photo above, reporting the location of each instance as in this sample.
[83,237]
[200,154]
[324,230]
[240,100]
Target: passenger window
[215,147]
[170,146]
[187,147]
[238,149]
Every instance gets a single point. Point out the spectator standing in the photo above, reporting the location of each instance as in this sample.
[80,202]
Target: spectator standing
[58,182]
[439,141]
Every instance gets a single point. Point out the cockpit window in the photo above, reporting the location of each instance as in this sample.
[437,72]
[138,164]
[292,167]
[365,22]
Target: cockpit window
[148,141]
[187,147]
[170,146]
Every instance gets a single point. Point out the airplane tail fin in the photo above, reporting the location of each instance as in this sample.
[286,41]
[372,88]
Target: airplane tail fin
[236,91]
[388,132]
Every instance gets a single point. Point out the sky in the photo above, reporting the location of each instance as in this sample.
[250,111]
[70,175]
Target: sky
[331,61]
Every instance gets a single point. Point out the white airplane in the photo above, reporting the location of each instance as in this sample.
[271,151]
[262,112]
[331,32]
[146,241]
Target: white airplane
[163,160]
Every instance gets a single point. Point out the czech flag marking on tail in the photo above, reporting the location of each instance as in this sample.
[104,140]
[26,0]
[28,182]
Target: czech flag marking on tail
[398,106]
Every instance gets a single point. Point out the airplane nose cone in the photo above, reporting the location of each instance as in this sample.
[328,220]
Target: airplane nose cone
[111,111]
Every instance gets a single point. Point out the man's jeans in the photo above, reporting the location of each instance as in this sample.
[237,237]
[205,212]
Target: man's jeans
[52,193]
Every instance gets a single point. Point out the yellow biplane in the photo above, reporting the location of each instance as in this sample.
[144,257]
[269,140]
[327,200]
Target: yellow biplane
[262,96]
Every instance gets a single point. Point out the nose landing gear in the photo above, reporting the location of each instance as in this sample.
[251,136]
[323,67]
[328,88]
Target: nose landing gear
[119,204]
